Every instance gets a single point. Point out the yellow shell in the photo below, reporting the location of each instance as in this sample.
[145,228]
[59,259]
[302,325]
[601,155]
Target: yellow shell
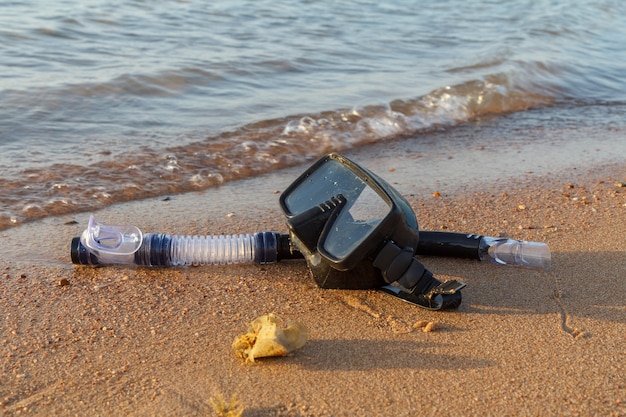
[265,338]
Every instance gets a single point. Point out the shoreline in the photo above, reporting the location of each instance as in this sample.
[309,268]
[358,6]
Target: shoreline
[467,156]
[136,341]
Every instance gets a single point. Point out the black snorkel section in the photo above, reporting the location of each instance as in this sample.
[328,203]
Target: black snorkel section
[81,255]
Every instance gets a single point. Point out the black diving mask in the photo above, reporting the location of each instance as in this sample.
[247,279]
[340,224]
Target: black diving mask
[357,232]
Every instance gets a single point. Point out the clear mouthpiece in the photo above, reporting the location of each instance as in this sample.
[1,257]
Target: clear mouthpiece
[112,239]
[515,252]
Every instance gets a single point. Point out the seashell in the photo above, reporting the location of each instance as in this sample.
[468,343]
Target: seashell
[265,338]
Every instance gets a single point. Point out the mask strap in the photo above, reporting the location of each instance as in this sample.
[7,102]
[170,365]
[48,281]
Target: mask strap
[411,281]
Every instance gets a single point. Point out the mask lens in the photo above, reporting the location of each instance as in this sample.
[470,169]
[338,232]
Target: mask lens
[365,208]
[328,180]
[354,224]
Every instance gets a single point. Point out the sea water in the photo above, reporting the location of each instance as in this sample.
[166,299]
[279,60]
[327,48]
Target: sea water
[110,101]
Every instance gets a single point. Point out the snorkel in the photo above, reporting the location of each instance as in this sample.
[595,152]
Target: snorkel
[354,230]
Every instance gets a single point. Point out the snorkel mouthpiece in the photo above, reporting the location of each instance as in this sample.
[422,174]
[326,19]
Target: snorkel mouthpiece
[102,243]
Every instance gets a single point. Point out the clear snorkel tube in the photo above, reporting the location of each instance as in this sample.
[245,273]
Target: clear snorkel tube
[102,244]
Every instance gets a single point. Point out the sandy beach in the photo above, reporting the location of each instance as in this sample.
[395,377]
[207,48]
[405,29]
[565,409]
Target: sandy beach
[142,342]
[503,119]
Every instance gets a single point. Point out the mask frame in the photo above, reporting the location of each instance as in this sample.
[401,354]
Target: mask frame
[306,201]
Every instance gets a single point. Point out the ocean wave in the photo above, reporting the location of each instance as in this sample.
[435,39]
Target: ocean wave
[254,149]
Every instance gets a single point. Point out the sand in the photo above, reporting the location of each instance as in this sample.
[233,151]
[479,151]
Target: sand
[142,342]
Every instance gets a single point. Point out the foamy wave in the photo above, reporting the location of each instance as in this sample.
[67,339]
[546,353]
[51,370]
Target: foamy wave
[253,149]
[444,107]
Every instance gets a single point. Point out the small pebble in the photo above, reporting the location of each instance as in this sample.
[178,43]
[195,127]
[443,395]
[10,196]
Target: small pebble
[63,282]
[431,326]
[426,326]
[421,323]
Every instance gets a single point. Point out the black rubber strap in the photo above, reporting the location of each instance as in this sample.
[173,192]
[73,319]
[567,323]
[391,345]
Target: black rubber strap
[399,265]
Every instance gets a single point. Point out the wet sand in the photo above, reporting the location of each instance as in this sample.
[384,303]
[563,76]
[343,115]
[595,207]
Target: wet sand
[142,342]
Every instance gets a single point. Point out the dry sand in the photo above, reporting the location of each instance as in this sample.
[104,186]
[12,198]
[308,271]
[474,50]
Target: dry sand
[133,341]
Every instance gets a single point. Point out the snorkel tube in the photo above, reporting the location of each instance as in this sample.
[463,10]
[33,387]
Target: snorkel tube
[127,245]
[103,244]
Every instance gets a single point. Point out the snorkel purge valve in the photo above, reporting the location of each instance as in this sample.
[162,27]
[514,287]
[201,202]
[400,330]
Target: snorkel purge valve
[354,230]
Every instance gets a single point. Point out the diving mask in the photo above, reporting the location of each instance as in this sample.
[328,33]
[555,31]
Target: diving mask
[357,232]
